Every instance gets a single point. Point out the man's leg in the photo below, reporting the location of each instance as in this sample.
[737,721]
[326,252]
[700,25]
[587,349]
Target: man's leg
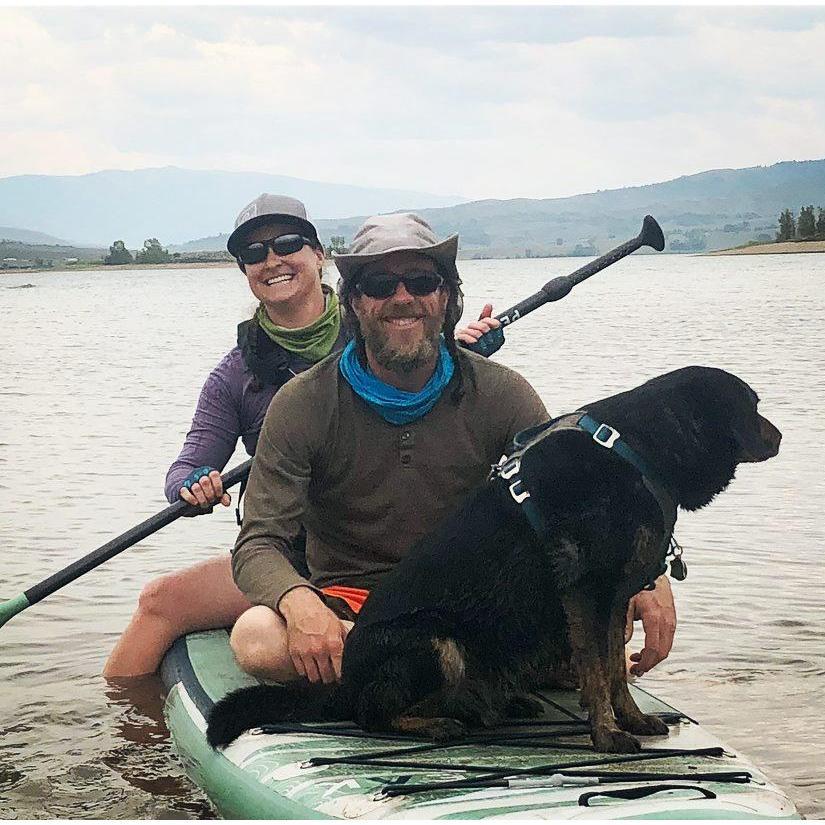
[259,642]
[200,597]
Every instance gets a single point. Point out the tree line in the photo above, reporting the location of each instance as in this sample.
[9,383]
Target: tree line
[806,227]
[152,253]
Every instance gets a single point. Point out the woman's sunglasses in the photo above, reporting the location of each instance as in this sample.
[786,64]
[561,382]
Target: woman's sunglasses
[383,285]
[254,253]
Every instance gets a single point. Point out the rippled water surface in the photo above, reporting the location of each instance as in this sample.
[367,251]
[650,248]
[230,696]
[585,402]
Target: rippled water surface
[99,373]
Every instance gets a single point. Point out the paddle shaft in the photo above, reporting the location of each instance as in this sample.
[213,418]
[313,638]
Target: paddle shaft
[651,235]
[110,549]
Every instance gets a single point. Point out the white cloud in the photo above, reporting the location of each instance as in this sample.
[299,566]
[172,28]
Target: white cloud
[480,102]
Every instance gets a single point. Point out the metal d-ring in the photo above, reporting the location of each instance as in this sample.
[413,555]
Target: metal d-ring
[518,497]
[612,436]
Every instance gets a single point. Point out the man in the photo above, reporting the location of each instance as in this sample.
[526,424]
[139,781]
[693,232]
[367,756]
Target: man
[370,450]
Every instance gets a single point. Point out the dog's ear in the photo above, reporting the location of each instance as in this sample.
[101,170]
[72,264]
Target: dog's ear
[757,438]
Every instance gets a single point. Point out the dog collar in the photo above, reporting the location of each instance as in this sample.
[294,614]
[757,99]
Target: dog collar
[509,470]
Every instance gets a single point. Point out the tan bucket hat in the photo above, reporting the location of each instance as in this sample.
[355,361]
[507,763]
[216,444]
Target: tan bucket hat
[402,232]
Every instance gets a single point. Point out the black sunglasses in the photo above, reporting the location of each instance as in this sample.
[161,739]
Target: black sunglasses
[383,284]
[254,253]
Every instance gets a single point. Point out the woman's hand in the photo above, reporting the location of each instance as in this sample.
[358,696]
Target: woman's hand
[204,488]
[484,336]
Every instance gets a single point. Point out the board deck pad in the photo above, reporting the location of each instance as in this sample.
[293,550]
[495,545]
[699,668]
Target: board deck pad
[270,775]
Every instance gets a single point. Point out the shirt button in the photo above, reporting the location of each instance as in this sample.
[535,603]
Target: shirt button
[406,458]
[405,436]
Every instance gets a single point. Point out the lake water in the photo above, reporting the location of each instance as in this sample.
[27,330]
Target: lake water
[99,374]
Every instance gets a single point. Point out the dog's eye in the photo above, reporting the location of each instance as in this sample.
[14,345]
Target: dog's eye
[752,396]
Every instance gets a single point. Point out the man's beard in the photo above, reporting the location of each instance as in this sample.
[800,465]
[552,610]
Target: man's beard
[395,358]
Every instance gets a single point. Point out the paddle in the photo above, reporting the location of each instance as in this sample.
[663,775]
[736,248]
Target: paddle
[34,594]
[651,235]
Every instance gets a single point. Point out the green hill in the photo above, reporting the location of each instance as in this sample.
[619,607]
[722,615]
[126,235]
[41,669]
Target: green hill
[711,210]
[19,255]
[28,236]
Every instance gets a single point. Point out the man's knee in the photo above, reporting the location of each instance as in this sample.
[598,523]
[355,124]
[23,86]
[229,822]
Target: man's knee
[259,643]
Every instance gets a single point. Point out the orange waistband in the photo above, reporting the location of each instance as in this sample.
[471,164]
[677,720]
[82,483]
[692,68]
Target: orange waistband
[353,596]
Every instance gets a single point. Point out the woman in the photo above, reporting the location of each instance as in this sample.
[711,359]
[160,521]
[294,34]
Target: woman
[297,324]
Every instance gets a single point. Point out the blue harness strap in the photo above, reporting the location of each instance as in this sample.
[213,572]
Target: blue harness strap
[606,436]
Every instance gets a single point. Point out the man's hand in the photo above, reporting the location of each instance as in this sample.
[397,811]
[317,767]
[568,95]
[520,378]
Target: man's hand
[657,612]
[204,490]
[485,335]
[315,635]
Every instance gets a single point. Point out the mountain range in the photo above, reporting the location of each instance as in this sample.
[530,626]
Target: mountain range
[701,212]
[174,204]
[710,210]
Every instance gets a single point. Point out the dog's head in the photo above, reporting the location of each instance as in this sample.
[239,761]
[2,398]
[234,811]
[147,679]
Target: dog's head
[726,407]
[695,425]
[722,411]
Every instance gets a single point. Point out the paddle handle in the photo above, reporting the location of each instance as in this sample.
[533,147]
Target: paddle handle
[651,235]
[68,574]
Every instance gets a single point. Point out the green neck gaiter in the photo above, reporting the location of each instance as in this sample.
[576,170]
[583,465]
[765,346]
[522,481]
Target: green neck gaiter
[312,342]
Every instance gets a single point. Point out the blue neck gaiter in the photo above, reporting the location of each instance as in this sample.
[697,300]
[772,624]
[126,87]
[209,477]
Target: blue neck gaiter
[394,405]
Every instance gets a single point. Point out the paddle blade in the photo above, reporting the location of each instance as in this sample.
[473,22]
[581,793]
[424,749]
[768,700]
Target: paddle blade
[652,234]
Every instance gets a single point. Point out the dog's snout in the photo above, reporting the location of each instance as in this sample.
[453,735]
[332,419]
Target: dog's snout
[762,447]
[770,436]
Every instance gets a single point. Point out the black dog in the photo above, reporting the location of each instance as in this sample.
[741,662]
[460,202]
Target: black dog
[534,572]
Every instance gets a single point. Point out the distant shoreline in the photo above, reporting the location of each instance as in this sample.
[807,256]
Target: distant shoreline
[80,267]
[784,248]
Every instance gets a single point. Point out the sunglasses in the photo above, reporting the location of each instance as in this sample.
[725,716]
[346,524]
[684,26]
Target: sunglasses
[383,285]
[254,253]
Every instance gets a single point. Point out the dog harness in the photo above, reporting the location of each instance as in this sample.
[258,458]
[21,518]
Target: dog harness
[509,470]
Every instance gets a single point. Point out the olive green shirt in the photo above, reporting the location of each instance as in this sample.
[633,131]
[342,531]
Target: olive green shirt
[365,489]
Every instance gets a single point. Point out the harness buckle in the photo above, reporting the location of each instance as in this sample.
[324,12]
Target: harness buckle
[521,496]
[510,467]
[611,436]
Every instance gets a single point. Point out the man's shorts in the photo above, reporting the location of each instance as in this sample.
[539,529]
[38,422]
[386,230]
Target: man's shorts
[344,602]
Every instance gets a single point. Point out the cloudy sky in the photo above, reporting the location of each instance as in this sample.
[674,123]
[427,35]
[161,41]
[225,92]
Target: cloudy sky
[472,101]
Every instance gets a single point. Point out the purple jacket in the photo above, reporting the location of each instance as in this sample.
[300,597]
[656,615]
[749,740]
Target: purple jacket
[232,405]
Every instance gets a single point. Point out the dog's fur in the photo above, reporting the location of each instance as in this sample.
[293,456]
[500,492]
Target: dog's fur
[483,610]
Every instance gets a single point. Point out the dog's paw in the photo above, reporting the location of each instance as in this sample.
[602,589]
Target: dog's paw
[613,740]
[479,718]
[473,704]
[559,679]
[444,729]
[438,728]
[644,725]
[522,706]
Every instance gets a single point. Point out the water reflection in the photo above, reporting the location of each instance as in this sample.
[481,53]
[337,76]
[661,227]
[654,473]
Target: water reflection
[141,755]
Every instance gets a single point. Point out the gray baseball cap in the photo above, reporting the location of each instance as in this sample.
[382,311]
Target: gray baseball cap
[401,232]
[268,208]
